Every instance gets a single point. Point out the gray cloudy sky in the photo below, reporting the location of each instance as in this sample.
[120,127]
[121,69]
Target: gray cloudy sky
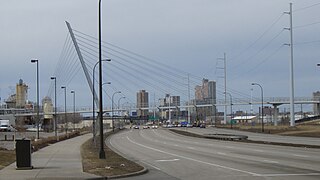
[189,34]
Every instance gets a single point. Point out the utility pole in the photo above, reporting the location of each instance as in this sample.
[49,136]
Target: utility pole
[225,87]
[292,119]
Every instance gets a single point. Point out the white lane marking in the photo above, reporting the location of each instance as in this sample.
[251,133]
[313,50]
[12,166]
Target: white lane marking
[269,161]
[167,160]
[279,175]
[221,153]
[299,155]
[258,150]
[155,167]
[176,145]
[195,160]
[190,147]
[230,147]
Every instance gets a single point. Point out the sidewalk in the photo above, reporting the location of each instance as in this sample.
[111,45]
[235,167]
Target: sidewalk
[58,161]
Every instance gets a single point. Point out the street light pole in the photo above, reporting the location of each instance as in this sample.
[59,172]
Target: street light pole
[55,107]
[119,101]
[112,109]
[262,123]
[119,109]
[93,99]
[38,108]
[65,108]
[74,109]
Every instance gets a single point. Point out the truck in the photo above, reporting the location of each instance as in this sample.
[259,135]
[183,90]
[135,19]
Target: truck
[5,125]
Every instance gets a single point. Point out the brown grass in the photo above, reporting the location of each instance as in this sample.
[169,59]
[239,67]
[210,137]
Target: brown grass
[113,165]
[7,158]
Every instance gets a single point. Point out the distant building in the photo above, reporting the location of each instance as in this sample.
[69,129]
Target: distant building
[18,100]
[316,107]
[205,94]
[172,101]
[21,94]
[142,102]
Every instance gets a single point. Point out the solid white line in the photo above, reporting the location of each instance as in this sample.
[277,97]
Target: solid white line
[190,147]
[191,159]
[279,175]
[151,165]
[221,153]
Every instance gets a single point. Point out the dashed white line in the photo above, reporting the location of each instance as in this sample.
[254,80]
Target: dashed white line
[258,150]
[299,155]
[167,160]
[269,161]
[191,159]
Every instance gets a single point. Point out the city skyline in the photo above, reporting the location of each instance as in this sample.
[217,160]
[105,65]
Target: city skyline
[193,43]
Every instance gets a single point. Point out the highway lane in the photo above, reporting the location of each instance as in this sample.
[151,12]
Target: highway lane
[258,136]
[173,156]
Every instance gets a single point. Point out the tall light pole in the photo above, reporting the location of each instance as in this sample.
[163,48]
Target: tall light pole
[55,107]
[118,92]
[119,101]
[65,108]
[119,108]
[102,154]
[38,108]
[93,99]
[74,109]
[262,123]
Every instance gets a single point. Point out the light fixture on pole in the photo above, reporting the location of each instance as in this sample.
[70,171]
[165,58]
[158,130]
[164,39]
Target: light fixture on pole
[262,123]
[38,108]
[118,92]
[55,107]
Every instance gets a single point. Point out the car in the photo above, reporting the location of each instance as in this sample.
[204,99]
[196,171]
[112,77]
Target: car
[169,126]
[202,126]
[145,127]
[189,126]
[154,127]
[135,127]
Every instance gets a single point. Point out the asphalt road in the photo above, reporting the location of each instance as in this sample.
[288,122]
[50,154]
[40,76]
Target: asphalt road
[171,156]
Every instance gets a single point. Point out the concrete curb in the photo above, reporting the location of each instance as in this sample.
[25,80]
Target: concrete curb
[143,171]
[250,141]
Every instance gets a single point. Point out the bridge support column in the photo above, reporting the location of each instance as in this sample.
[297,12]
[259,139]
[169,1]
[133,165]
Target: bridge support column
[275,114]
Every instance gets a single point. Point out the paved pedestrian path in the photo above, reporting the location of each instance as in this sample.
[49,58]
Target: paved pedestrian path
[58,161]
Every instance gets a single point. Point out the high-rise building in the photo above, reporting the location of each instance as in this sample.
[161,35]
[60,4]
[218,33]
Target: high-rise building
[205,94]
[142,102]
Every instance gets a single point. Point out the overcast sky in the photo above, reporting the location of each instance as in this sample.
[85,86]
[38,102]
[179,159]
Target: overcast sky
[189,34]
